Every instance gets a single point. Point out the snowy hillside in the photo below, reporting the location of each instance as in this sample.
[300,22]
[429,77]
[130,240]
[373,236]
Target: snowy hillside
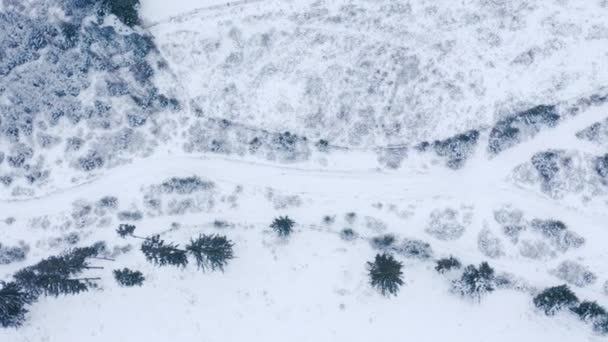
[304,170]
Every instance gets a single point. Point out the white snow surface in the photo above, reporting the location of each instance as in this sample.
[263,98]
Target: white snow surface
[439,68]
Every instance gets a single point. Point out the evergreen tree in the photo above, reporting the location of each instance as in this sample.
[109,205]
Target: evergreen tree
[211,251]
[161,254]
[446,264]
[13,300]
[54,275]
[553,299]
[283,225]
[475,282]
[127,277]
[385,274]
[589,311]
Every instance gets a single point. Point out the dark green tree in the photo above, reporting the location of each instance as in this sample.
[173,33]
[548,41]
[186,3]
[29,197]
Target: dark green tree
[55,275]
[127,277]
[385,274]
[589,311]
[211,252]
[475,282]
[13,300]
[554,299]
[446,264]
[161,254]
[283,225]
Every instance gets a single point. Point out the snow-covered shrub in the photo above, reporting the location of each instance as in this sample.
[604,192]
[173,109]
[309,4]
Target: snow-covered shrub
[383,242]
[108,202]
[375,224]
[385,274]
[489,244]
[589,311]
[554,299]
[185,185]
[391,157]
[507,216]
[574,273]
[511,130]
[601,166]
[535,249]
[348,234]
[128,278]
[447,264]
[134,215]
[513,232]
[445,224]
[10,254]
[415,249]
[457,149]
[350,217]
[475,281]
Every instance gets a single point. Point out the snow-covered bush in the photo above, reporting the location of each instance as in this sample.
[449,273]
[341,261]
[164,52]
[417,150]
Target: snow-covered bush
[445,224]
[414,249]
[554,299]
[10,254]
[457,149]
[489,244]
[512,129]
[574,273]
[383,242]
[589,311]
[348,234]
[447,264]
[128,278]
[475,281]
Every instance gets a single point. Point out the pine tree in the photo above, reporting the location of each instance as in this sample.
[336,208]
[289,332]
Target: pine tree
[127,277]
[556,298]
[161,254]
[385,274]
[13,300]
[211,251]
[283,225]
[475,282]
[54,275]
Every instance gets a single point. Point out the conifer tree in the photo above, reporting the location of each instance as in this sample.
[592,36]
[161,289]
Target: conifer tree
[211,252]
[55,275]
[385,274]
[161,254]
[283,225]
[13,300]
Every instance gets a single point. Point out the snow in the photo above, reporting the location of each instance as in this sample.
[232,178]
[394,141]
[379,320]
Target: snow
[281,65]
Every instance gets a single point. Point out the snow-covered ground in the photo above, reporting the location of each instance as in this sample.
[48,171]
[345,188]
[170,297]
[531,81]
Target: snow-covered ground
[362,75]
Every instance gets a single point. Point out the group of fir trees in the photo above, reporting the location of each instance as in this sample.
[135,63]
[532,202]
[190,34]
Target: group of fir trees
[210,252]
